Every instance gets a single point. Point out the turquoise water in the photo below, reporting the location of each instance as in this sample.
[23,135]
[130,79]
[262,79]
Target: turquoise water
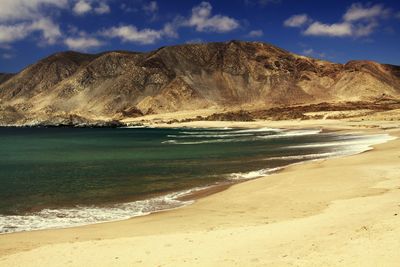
[56,177]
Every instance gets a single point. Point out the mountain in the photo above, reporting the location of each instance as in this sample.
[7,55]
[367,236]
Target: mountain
[5,76]
[119,84]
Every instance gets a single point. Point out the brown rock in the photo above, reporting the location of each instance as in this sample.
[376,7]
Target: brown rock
[187,77]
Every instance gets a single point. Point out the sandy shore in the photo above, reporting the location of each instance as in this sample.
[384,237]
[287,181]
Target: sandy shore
[336,212]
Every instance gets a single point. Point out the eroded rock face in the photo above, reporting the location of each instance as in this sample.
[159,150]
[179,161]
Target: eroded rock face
[194,76]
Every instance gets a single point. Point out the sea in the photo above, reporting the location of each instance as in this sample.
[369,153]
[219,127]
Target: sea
[64,177]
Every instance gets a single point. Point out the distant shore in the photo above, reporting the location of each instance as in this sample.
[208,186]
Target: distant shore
[335,212]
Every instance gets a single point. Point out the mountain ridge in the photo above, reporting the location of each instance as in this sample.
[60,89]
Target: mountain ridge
[113,84]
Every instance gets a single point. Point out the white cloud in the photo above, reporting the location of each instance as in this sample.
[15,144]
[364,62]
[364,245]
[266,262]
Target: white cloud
[21,18]
[342,29]
[14,10]
[358,11]
[82,43]
[11,33]
[129,33]
[312,52]
[82,7]
[103,8]
[364,19]
[126,8]
[151,7]
[255,33]
[333,30]
[202,20]
[361,30]
[49,30]
[297,20]
[7,56]
[308,51]
[171,30]
[358,21]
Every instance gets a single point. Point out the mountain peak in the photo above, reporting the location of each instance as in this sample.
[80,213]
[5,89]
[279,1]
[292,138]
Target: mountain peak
[189,76]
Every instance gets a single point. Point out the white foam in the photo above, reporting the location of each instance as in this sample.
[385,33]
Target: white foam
[69,217]
[83,215]
[252,174]
[238,136]
[363,145]
[209,135]
[133,127]
[208,141]
[362,141]
[205,132]
[265,129]
[291,133]
[169,142]
[306,156]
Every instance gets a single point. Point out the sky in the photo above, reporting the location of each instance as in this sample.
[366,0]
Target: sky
[334,30]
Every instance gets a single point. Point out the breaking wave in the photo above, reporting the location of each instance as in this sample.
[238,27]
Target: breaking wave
[208,137]
[252,174]
[292,133]
[83,215]
[359,142]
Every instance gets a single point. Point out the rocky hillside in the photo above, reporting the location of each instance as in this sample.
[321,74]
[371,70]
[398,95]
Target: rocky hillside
[4,77]
[115,85]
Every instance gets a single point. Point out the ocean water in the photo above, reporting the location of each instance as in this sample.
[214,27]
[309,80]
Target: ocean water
[60,177]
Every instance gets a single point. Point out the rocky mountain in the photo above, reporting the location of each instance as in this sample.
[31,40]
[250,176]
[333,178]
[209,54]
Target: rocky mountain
[119,84]
[5,76]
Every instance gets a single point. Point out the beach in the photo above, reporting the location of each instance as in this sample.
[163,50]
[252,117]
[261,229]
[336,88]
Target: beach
[332,212]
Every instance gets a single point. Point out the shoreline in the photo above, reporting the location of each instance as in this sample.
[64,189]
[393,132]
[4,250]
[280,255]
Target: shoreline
[15,245]
[185,197]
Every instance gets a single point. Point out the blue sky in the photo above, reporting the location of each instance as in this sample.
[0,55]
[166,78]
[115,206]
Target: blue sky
[332,30]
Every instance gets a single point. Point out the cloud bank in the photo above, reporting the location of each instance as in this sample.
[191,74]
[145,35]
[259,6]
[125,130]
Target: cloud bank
[358,21]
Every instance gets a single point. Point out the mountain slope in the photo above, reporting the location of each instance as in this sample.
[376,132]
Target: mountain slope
[5,76]
[194,76]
